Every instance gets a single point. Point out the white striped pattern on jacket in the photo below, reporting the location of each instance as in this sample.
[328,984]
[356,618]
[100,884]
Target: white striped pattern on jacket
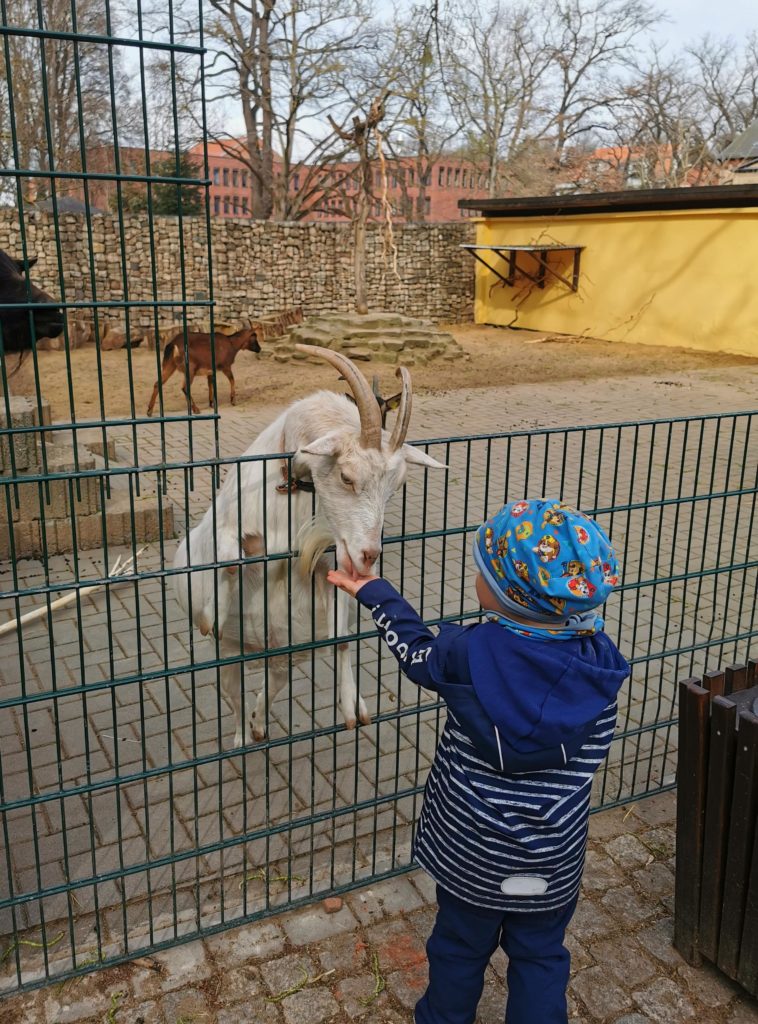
[479,826]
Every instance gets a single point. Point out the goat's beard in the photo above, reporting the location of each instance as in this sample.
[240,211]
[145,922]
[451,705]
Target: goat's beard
[313,538]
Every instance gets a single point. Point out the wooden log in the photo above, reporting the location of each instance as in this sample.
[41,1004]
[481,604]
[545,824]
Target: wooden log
[740,848]
[690,815]
[723,741]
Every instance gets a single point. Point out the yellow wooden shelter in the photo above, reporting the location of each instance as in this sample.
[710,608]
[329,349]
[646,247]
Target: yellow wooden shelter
[658,267]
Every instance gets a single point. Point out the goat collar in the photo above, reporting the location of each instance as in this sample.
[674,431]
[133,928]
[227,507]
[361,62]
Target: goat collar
[290,484]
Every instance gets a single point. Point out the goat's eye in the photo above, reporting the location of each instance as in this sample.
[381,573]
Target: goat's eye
[346,480]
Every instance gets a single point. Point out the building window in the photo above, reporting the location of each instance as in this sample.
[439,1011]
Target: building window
[235,178]
[216,205]
[463,179]
[226,205]
[428,205]
[296,182]
[441,177]
[426,181]
[457,176]
[449,176]
[244,179]
[410,175]
[226,176]
[215,175]
[378,179]
[244,208]
[236,206]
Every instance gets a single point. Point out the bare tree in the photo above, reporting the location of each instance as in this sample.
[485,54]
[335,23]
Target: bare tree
[588,41]
[418,127]
[661,122]
[282,65]
[359,137]
[727,78]
[56,95]
[498,66]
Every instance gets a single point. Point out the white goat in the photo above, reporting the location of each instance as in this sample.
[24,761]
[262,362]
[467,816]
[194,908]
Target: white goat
[261,509]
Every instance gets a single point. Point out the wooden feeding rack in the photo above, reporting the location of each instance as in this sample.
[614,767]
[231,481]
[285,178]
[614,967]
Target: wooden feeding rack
[539,252]
[716,912]
[276,324]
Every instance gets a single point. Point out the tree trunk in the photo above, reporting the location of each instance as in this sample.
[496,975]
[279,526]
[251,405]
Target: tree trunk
[359,254]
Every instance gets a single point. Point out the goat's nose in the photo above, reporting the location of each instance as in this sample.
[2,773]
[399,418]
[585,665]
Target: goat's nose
[370,555]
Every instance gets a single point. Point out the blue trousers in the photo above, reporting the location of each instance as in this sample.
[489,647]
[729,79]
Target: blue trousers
[461,945]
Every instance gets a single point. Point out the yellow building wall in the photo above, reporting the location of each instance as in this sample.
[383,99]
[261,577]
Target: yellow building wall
[683,278]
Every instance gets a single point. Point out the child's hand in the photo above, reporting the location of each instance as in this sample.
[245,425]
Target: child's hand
[350,584]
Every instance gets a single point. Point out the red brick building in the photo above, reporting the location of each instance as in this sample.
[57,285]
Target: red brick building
[335,186]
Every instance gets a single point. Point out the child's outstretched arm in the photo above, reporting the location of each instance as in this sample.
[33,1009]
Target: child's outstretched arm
[425,658]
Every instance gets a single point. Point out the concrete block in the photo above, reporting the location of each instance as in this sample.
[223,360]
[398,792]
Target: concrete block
[27,540]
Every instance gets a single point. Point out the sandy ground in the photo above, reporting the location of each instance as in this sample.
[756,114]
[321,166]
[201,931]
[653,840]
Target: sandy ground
[497,357]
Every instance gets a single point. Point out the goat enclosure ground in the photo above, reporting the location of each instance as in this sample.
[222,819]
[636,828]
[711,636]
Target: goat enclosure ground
[157,850]
[497,357]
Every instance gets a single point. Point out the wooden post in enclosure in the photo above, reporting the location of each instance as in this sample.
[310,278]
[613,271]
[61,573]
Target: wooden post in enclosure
[716,913]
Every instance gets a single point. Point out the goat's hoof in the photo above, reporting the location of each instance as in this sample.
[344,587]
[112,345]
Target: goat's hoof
[350,723]
[259,731]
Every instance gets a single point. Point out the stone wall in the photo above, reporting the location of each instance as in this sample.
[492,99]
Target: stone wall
[258,267]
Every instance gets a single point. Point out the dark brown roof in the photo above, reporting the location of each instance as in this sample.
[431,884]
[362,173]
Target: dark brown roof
[711,197]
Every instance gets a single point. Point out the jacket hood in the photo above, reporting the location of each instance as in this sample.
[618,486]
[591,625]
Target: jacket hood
[541,694]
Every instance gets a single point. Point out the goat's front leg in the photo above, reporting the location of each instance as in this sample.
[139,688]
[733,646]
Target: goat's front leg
[227,371]
[278,675]
[350,703]
[233,686]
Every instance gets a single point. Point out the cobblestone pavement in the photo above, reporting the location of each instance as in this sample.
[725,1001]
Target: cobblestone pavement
[329,963]
[130,819]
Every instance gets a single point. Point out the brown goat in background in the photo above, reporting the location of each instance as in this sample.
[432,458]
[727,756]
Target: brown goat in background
[199,359]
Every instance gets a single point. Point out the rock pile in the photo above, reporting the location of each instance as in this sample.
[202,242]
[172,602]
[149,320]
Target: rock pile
[385,337]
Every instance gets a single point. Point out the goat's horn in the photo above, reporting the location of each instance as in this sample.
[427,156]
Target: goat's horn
[404,410]
[368,409]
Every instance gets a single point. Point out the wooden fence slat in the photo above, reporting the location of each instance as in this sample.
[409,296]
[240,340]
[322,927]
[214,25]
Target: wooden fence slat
[690,813]
[752,671]
[747,971]
[717,810]
[714,682]
[740,849]
[735,678]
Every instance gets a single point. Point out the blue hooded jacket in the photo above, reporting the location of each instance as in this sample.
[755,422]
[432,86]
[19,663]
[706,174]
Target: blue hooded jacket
[526,716]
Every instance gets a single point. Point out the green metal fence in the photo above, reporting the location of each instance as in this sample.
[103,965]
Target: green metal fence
[128,821]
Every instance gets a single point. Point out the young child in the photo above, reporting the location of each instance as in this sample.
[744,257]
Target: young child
[531,697]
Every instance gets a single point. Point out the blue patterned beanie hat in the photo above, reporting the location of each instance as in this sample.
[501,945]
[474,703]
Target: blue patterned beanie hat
[544,560]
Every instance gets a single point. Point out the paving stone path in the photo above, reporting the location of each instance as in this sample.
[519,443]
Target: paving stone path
[204,815]
[366,961]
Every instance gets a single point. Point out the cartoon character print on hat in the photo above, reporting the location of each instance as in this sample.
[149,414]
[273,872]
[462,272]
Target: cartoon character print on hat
[548,548]
[524,531]
[581,586]
[543,556]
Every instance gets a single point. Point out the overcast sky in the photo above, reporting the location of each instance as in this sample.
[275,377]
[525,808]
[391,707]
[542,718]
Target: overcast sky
[690,19]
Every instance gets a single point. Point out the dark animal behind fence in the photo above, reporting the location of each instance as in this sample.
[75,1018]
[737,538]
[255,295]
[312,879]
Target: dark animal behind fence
[386,405]
[199,359]
[16,331]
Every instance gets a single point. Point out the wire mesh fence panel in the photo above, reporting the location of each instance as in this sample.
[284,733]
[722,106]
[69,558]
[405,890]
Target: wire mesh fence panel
[129,818]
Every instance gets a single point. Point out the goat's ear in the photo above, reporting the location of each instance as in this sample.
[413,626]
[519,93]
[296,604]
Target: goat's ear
[394,402]
[329,444]
[26,264]
[417,457]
